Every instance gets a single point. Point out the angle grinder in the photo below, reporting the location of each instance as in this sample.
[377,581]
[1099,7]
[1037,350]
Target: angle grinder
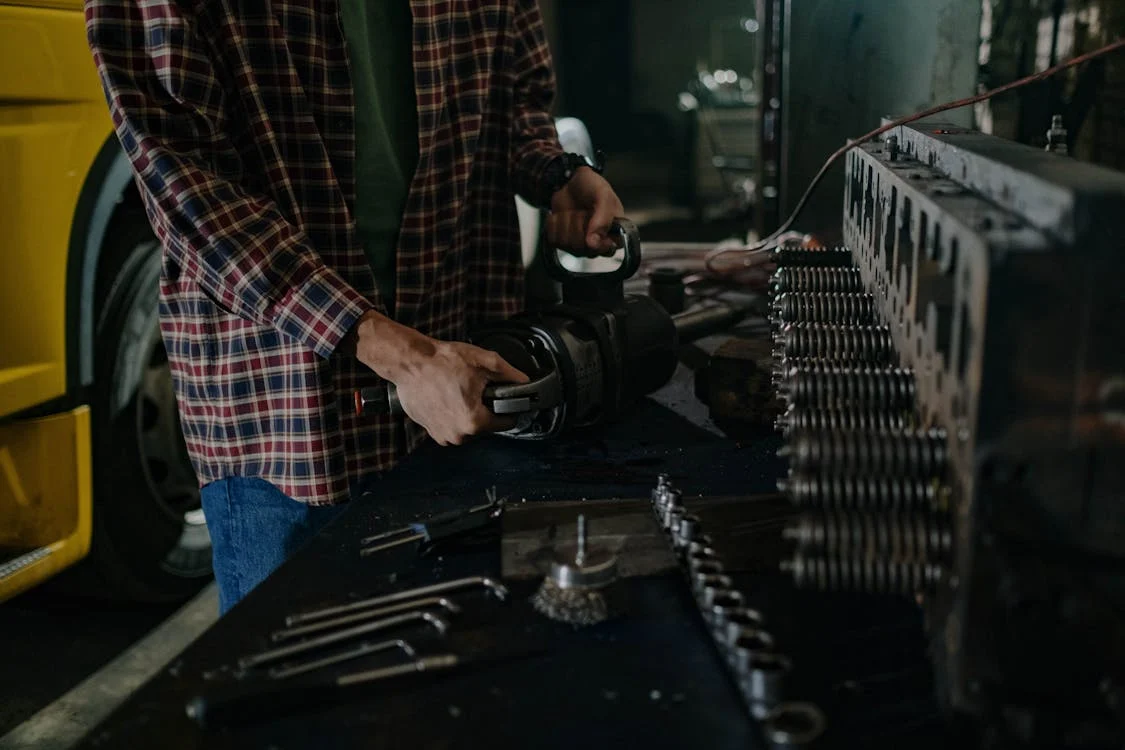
[589,358]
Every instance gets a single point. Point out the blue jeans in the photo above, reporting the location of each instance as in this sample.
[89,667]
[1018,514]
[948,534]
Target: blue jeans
[254,528]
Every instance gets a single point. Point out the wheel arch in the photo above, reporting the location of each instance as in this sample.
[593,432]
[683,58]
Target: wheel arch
[109,185]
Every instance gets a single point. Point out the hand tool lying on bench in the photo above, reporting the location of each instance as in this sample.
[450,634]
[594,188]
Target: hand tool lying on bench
[244,704]
[440,527]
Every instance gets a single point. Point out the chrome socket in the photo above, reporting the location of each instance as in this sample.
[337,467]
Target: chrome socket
[672,516]
[703,581]
[685,532]
[748,643]
[718,595]
[722,603]
[764,685]
[793,725]
[734,621]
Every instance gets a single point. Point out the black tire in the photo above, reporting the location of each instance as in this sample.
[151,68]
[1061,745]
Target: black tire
[150,541]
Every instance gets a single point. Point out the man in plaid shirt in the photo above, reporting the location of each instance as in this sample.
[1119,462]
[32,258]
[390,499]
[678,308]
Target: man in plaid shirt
[332,183]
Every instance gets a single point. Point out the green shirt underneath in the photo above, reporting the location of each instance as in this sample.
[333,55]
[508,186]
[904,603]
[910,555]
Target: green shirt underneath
[380,50]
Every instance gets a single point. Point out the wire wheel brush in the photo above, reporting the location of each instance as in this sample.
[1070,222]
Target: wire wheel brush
[574,590]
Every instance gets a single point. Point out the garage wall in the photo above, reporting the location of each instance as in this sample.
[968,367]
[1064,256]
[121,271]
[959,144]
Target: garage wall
[855,61]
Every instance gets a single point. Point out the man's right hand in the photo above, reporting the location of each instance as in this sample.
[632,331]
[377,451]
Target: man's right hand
[440,384]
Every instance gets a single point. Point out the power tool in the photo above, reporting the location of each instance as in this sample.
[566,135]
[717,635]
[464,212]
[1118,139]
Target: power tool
[588,358]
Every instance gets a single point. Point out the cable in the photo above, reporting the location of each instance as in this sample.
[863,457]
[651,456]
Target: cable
[773,238]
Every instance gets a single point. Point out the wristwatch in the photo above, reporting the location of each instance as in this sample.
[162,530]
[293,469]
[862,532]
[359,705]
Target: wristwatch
[563,167]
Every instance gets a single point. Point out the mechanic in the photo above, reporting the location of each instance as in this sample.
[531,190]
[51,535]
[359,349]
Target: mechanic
[332,183]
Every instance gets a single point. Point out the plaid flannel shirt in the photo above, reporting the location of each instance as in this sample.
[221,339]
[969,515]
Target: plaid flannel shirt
[237,118]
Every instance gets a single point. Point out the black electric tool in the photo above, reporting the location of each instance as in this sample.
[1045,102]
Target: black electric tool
[588,358]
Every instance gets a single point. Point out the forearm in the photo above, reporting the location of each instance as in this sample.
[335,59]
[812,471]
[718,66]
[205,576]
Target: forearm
[392,350]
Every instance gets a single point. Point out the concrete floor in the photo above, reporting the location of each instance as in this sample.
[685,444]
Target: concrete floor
[68,661]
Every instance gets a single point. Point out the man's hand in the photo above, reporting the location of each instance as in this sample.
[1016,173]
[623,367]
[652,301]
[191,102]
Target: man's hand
[440,384]
[582,212]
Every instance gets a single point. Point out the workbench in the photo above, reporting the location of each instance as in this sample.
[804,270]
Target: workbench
[649,679]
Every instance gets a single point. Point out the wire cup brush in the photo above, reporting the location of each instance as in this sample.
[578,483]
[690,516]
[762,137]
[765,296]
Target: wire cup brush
[574,591]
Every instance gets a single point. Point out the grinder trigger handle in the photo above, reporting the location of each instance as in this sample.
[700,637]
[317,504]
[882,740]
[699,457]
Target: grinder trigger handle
[501,398]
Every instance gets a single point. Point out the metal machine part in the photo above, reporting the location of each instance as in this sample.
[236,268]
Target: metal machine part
[962,445]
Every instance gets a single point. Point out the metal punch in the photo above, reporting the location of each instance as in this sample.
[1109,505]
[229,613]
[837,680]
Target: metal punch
[497,588]
[440,625]
[440,526]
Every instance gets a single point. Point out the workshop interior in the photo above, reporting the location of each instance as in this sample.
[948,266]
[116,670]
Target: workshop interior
[829,454]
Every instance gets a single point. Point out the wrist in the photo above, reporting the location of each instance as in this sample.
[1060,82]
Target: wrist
[390,349]
[563,167]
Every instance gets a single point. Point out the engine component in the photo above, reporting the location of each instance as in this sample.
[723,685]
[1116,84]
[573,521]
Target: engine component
[906,454]
[814,279]
[817,420]
[847,309]
[786,256]
[898,536]
[829,386]
[877,576]
[870,345]
[964,440]
[861,493]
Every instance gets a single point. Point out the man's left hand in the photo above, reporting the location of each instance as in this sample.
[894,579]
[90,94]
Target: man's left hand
[582,213]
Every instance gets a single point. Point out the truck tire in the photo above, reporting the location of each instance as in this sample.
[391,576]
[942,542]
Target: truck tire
[150,540]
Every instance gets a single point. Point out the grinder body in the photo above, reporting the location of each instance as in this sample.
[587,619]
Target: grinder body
[588,358]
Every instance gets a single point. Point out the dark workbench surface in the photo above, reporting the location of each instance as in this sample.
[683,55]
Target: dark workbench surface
[649,680]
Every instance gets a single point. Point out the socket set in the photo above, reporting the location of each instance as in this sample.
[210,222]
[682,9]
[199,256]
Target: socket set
[739,632]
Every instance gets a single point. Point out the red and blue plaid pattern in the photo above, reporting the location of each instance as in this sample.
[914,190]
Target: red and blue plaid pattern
[237,118]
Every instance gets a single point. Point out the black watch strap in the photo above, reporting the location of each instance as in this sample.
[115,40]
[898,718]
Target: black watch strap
[563,167]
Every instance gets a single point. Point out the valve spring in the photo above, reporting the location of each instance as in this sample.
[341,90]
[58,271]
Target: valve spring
[873,576]
[816,420]
[860,493]
[816,280]
[843,344]
[909,454]
[845,309]
[860,452]
[910,536]
[795,256]
[835,387]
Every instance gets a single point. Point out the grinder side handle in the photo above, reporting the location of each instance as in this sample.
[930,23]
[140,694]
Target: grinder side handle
[631,243]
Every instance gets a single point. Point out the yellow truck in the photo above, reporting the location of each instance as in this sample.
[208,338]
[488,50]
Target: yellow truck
[92,462]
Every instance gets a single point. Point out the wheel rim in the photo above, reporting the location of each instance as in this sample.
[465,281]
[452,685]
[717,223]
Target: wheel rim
[168,474]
